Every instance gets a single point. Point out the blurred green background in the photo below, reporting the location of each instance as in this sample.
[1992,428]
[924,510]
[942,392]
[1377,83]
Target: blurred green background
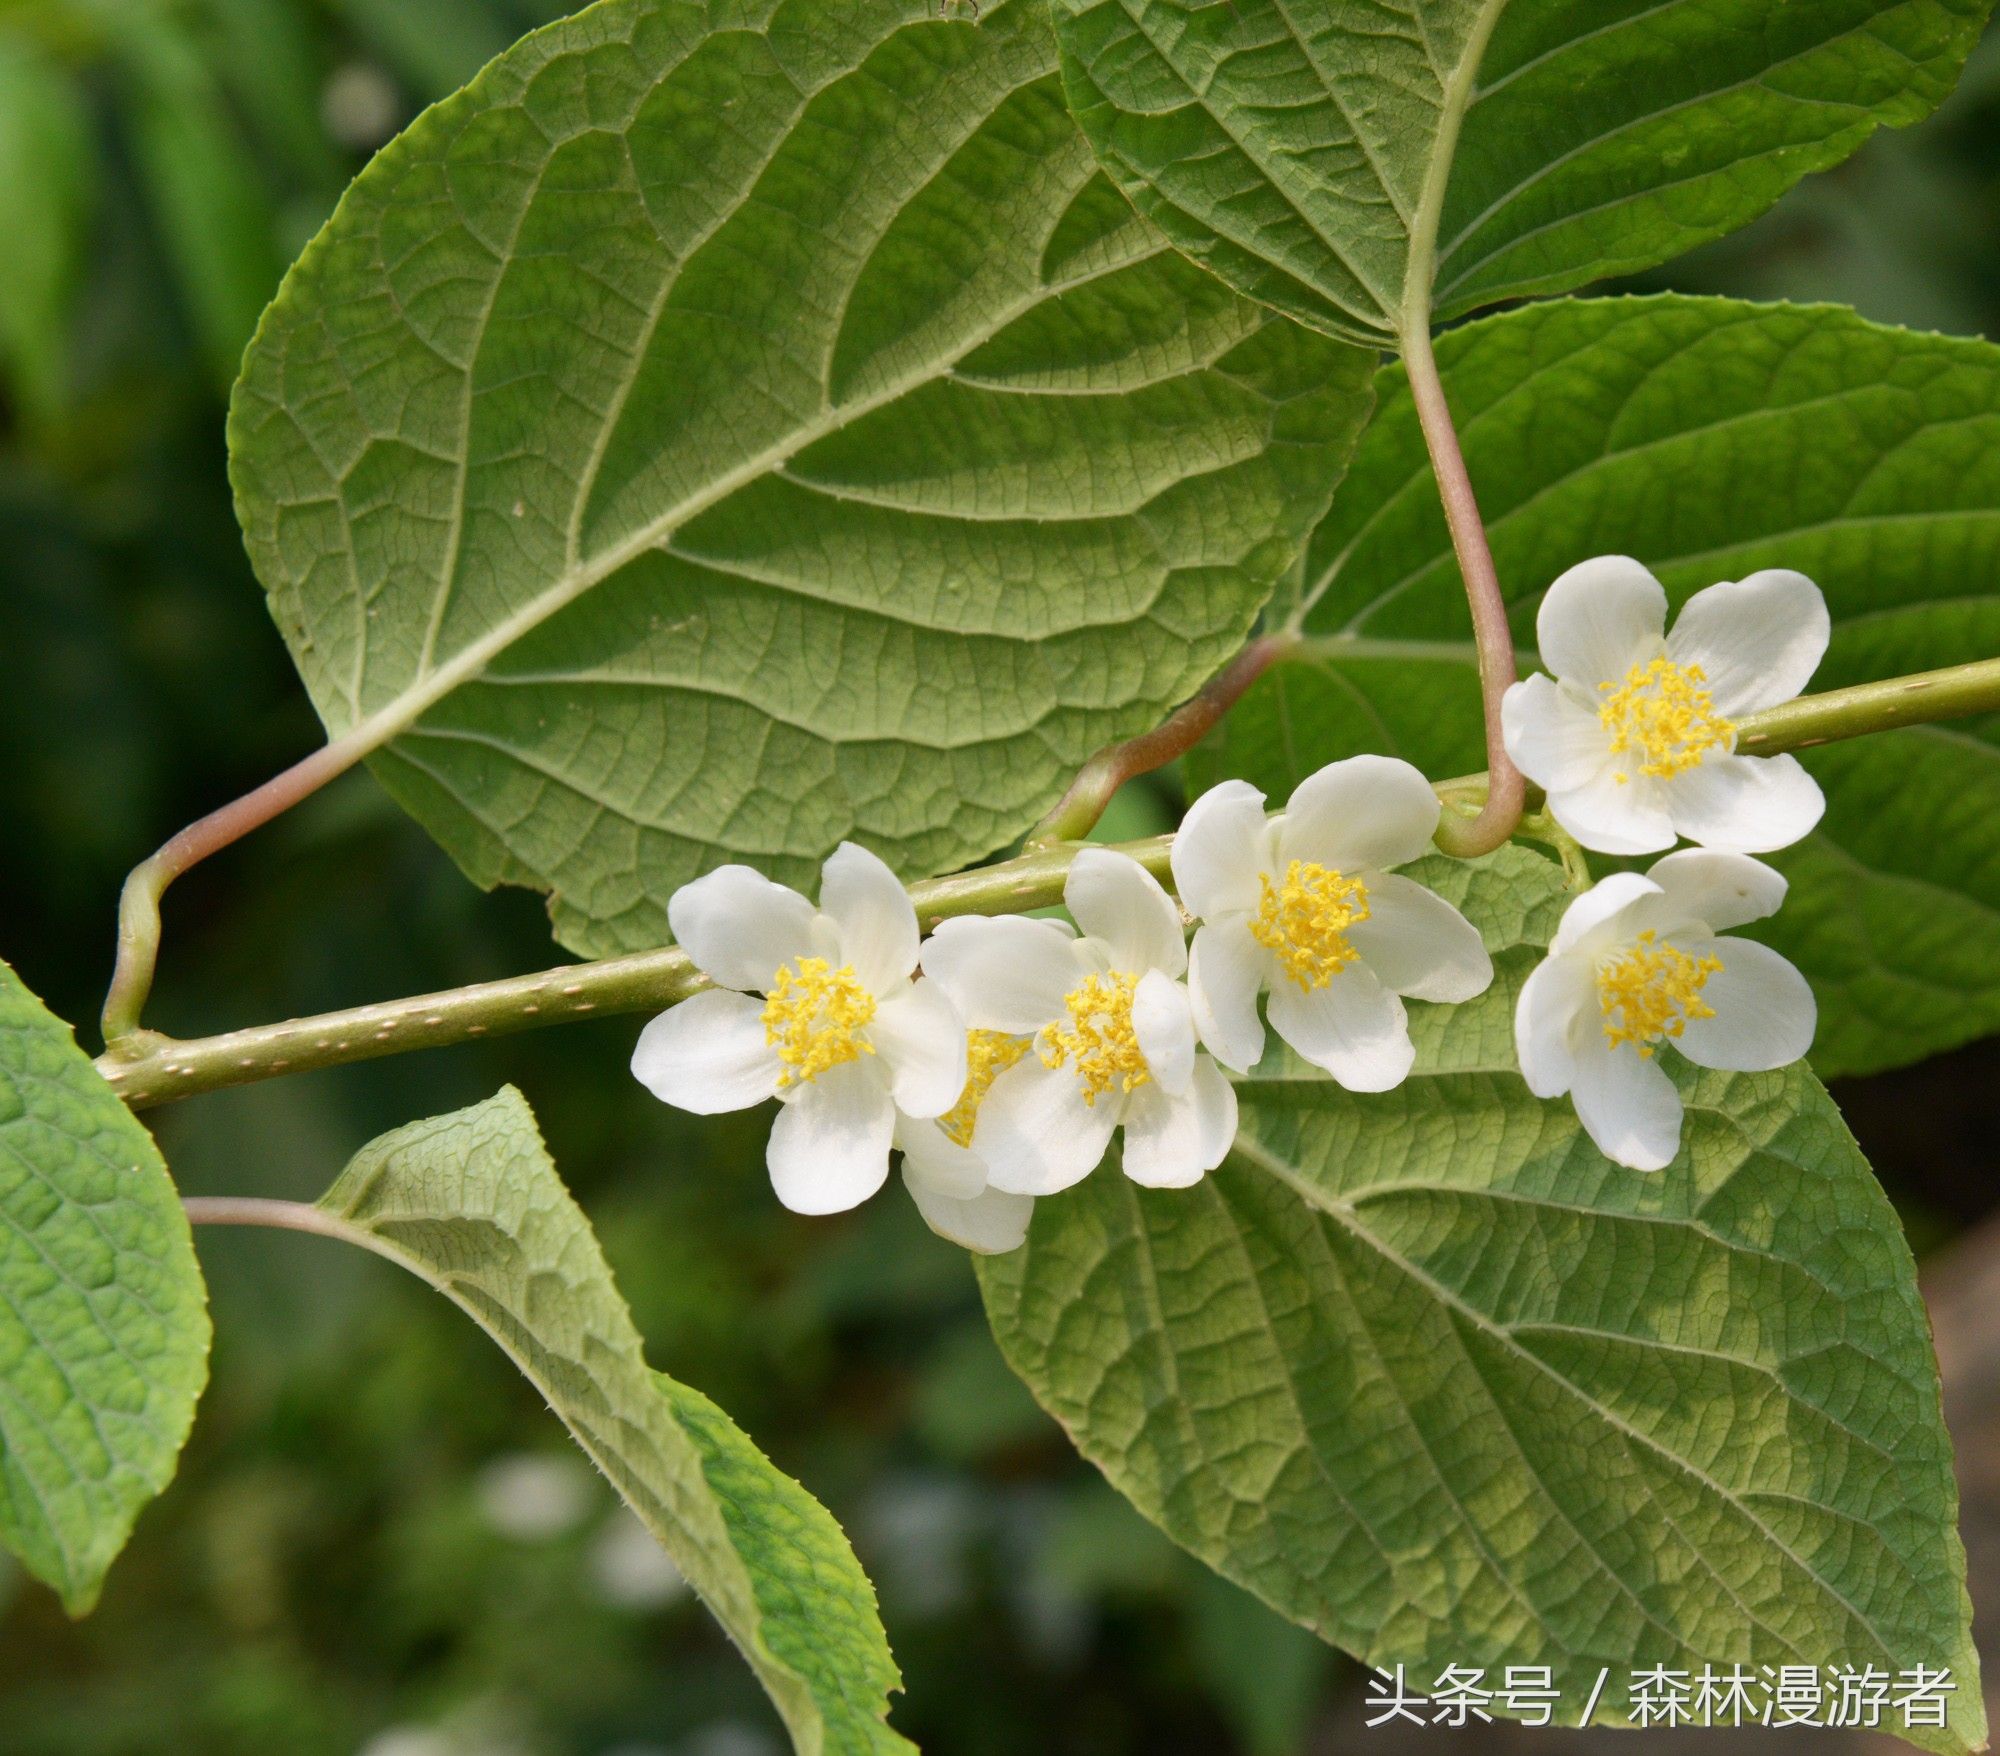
[380,1542]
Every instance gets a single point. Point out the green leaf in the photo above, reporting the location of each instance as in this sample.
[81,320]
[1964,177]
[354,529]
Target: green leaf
[1428,1374]
[725,429]
[471,1203]
[103,1313]
[1708,438]
[1358,162]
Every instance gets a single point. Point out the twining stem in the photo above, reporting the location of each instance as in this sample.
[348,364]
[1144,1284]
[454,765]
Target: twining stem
[1494,822]
[147,1068]
[139,902]
[1505,791]
[1076,813]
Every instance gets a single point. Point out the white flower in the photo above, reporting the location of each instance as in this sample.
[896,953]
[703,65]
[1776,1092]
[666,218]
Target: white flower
[1107,1020]
[946,1178]
[815,1008]
[1634,740]
[1304,905]
[1638,961]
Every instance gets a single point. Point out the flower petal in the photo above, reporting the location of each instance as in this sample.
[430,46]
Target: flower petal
[1361,814]
[1117,900]
[1353,1027]
[1555,740]
[921,1039]
[1215,1104]
[990,1223]
[1758,640]
[1217,848]
[1626,1104]
[1418,944]
[1173,1142]
[1716,890]
[739,927]
[1765,1013]
[1036,1132]
[1164,1025]
[1599,619]
[1745,804]
[708,1054]
[937,1162]
[1226,970]
[1583,921]
[829,1147]
[1007,973]
[1614,816]
[1558,1000]
[874,914]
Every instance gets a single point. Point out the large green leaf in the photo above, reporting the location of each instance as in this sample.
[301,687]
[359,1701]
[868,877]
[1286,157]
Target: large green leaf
[1355,161]
[1708,438]
[1430,1375]
[472,1203]
[727,428]
[103,1314]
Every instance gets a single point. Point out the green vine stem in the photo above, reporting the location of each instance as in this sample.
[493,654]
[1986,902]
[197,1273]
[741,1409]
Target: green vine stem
[146,1068]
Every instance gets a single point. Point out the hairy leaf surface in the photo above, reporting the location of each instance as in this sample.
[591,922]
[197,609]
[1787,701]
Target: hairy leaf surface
[1708,438]
[471,1203]
[1431,1376]
[1324,158]
[725,429]
[103,1313]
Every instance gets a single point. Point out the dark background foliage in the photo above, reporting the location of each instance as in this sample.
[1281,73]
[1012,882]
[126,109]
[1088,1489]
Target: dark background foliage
[379,1540]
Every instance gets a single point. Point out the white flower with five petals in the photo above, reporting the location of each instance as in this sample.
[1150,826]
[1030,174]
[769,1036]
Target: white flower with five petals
[946,1178]
[1306,906]
[1108,1035]
[1639,961]
[1634,738]
[816,1008]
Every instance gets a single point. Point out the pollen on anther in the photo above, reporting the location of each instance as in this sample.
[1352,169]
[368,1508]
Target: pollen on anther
[1305,920]
[812,1016]
[1100,1043]
[1650,990]
[1663,713]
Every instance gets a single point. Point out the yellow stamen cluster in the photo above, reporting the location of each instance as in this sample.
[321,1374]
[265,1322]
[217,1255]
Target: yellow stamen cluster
[1100,1040]
[1663,712]
[988,1054]
[1649,991]
[811,1015]
[1305,921]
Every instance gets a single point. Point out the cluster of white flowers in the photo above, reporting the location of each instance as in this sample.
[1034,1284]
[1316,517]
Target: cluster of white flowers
[1634,741]
[1000,1055]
